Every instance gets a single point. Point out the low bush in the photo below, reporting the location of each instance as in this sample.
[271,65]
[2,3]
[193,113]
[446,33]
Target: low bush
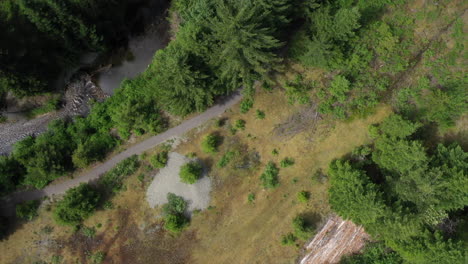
[246,105]
[287,162]
[269,177]
[288,239]
[210,143]
[112,181]
[301,229]
[27,210]
[225,159]
[88,231]
[174,219]
[251,197]
[240,124]
[159,160]
[191,172]
[77,204]
[259,114]
[303,196]
[97,257]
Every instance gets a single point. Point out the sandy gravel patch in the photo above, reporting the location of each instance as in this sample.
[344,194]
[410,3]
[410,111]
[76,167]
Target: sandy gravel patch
[167,180]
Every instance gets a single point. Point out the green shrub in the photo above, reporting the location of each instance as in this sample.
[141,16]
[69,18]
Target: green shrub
[246,105]
[225,159]
[251,197]
[159,160]
[175,204]
[297,91]
[112,181]
[97,257]
[269,177]
[287,162]
[240,124]
[174,219]
[108,205]
[210,143]
[219,122]
[303,196]
[51,105]
[27,210]
[301,229]
[175,222]
[275,152]
[373,253]
[141,177]
[88,231]
[77,204]
[288,239]
[259,114]
[56,259]
[191,172]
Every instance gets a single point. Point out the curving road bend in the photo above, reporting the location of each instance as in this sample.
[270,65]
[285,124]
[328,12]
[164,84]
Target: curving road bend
[139,148]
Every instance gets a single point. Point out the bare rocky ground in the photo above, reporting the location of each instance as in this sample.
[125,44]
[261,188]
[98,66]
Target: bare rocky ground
[336,239]
[168,181]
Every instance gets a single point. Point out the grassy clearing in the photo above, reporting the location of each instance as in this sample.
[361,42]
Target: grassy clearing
[249,230]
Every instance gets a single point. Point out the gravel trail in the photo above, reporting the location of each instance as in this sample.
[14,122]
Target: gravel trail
[141,147]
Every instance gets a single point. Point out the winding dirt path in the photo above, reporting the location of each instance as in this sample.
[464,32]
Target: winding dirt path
[101,168]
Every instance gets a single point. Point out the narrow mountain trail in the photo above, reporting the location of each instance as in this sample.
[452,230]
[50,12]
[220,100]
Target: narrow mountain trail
[99,169]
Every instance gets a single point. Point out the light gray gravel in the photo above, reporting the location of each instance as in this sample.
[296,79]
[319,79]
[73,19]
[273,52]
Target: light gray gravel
[168,181]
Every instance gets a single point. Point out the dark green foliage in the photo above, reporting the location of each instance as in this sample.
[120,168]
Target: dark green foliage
[112,181]
[185,83]
[297,91]
[301,228]
[326,37]
[77,204]
[397,127]
[175,204]
[27,210]
[422,191]
[259,114]
[191,172]
[303,196]
[245,105]
[240,124]
[353,195]
[245,44]
[287,162]
[444,106]
[46,157]
[174,219]
[159,160]
[226,158]
[251,197]
[210,143]
[51,105]
[46,36]
[288,240]
[133,112]
[269,176]
[375,253]
[88,231]
[97,258]
[11,173]
[92,149]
